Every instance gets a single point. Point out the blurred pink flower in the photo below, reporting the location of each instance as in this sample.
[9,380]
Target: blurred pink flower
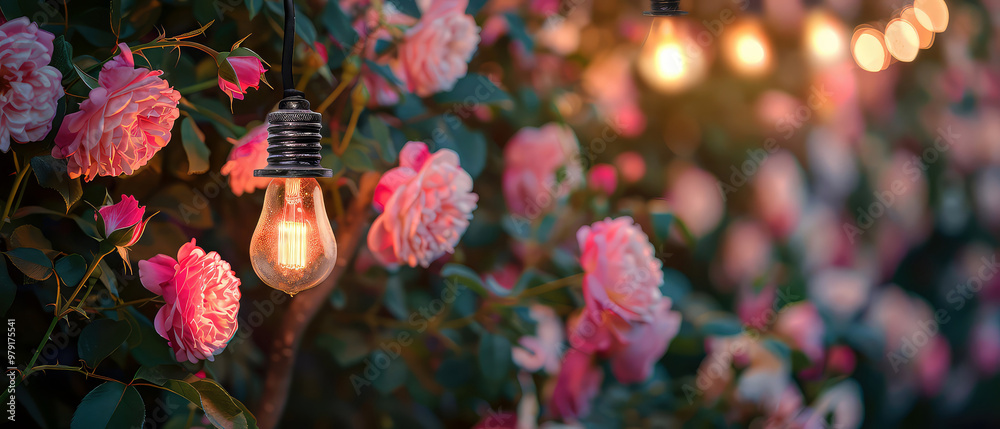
[124,214]
[839,293]
[695,198]
[202,301]
[532,160]
[933,362]
[841,360]
[802,324]
[427,203]
[603,178]
[780,193]
[756,308]
[499,420]
[29,87]
[746,251]
[544,349]
[622,273]
[985,344]
[122,124]
[238,73]
[578,383]
[248,154]
[643,344]
[632,166]
[437,50]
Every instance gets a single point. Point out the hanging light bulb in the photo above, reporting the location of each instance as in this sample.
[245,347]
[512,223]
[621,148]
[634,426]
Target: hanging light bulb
[671,60]
[293,247]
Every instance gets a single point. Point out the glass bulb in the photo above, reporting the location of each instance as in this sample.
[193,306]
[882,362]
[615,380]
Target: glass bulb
[293,247]
[671,59]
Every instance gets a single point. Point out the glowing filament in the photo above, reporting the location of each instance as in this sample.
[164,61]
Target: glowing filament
[292,241]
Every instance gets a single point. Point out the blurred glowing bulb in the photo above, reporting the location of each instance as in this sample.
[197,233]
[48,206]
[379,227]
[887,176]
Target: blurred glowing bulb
[671,61]
[868,47]
[293,247]
[825,39]
[932,14]
[747,48]
[914,16]
[902,40]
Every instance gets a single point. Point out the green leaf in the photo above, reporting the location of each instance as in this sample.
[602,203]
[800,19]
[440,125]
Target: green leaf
[108,278]
[662,222]
[101,338]
[32,262]
[473,89]
[31,236]
[338,25]
[357,160]
[407,7]
[722,326]
[110,405]
[395,298]
[253,6]
[8,290]
[464,276]
[88,80]
[51,173]
[393,375]
[62,56]
[474,7]
[71,269]
[384,71]
[220,408]
[145,344]
[380,132]
[194,145]
[303,26]
[160,374]
[518,32]
[494,357]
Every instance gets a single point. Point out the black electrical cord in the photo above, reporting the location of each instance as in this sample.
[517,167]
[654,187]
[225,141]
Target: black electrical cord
[287,81]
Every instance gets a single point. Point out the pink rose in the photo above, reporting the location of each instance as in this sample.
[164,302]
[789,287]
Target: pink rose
[241,72]
[202,296]
[544,349]
[427,203]
[29,87]
[249,153]
[437,50]
[603,178]
[622,273]
[578,383]
[802,324]
[533,159]
[122,124]
[780,193]
[125,214]
[695,198]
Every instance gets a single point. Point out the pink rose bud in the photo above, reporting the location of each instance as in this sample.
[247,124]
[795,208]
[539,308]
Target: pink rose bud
[238,72]
[202,299]
[603,178]
[125,214]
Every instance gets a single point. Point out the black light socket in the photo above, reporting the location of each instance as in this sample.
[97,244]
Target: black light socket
[293,140]
[665,8]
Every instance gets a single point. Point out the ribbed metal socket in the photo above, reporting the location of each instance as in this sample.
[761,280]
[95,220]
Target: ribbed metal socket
[294,141]
[664,8]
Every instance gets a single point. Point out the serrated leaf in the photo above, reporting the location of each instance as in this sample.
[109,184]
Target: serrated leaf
[221,408]
[32,262]
[101,338]
[160,374]
[51,173]
[464,276]
[62,56]
[194,146]
[110,405]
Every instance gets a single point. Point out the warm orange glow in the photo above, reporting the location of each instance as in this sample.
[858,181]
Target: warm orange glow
[902,40]
[910,14]
[671,60]
[932,14]
[747,48]
[292,241]
[868,47]
[826,39]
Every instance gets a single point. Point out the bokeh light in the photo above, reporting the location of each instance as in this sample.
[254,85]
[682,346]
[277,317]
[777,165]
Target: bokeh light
[909,14]
[902,40]
[826,38]
[869,50]
[671,60]
[932,14]
[747,48]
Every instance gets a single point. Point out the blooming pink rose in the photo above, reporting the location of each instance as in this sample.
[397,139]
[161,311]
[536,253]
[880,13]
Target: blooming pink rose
[241,73]
[427,203]
[125,214]
[249,153]
[578,383]
[603,178]
[202,296]
[29,87]
[437,50]
[533,159]
[622,273]
[122,124]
